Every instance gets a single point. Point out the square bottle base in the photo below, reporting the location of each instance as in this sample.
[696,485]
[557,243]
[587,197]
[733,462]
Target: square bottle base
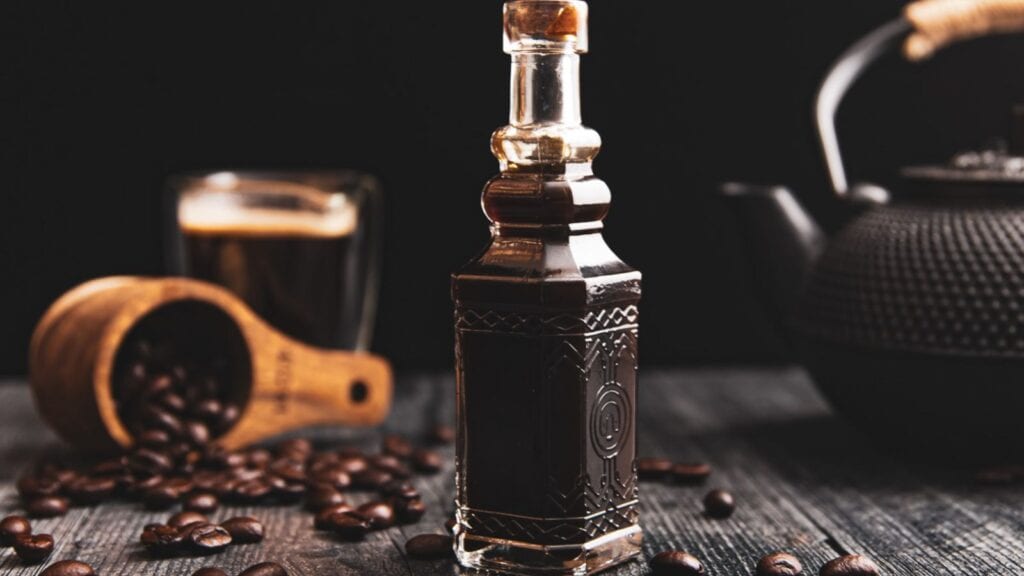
[515,557]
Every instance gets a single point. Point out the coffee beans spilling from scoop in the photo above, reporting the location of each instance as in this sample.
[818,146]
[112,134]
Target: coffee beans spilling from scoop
[175,405]
[168,396]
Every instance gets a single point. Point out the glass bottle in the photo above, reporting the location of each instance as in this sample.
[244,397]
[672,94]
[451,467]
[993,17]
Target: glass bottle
[546,332]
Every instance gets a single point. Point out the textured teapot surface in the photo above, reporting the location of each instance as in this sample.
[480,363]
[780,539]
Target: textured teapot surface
[942,276]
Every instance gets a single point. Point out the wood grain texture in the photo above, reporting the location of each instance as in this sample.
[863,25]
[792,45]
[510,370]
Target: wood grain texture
[804,482]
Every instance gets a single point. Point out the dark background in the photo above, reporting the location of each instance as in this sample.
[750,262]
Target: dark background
[102,101]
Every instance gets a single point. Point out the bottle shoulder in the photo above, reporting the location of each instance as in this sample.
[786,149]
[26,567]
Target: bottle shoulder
[576,270]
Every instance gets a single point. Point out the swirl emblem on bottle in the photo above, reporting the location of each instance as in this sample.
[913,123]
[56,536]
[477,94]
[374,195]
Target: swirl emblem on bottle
[610,420]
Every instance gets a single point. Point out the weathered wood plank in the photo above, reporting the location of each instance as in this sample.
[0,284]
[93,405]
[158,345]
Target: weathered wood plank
[804,482]
[910,521]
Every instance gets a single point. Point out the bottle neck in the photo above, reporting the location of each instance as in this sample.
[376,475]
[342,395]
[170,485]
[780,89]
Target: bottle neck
[545,131]
[545,89]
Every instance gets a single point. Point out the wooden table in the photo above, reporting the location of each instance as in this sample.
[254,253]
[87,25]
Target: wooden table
[803,480]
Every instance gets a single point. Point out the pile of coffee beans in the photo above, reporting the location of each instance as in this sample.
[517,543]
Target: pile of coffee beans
[169,396]
[191,532]
[679,563]
[16,531]
[199,476]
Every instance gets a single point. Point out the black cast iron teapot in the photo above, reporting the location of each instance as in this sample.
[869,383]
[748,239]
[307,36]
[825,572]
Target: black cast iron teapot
[911,319]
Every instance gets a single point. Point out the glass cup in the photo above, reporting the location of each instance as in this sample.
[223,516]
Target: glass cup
[302,249]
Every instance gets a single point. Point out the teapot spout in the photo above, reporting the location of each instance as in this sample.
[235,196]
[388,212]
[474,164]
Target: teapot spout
[782,240]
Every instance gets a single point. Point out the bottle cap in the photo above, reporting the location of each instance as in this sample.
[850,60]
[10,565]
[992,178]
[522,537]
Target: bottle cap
[546,26]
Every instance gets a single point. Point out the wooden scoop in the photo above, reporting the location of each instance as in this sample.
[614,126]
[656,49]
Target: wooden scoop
[281,384]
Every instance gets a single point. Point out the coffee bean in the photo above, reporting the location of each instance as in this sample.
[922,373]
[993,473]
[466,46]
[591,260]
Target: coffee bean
[156,417]
[31,486]
[323,518]
[719,504]
[653,468]
[150,462]
[289,470]
[399,490]
[228,417]
[33,548]
[13,526]
[243,529]
[676,563]
[158,384]
[251,491]
[258,458]
[429,546]
[201,502]
[349,526]
[441,434]
[333,477]
[379,514]
[246,474]
[138,486]
[160,497]
[296,446]
[352,464]
[219,458]
[397,446]
[162,539]
[779,564]
[852,565]
[47,507]
[179,451]
[185,518]
[91,490]
[370,479]
[110,468]
[196,432]
[209,409]
[409,511]
[285,491]
[68,568]
[323,496]
[154,438]
[209,572]
[208,538]
[690,474]
[264,569]
[172,402]
[391,465]
[427,462]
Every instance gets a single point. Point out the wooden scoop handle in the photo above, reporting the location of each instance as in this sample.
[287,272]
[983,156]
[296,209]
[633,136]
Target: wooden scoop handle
[940,23]
[295,386]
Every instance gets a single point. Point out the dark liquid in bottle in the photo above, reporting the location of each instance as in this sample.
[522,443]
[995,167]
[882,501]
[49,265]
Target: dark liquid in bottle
[546,362]
[296,277]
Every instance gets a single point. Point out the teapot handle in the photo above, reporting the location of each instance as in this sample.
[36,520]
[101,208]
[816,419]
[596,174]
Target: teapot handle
[939,23]
[925,27]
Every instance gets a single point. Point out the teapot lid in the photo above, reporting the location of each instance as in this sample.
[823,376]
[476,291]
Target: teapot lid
[994,169]
[992,166]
